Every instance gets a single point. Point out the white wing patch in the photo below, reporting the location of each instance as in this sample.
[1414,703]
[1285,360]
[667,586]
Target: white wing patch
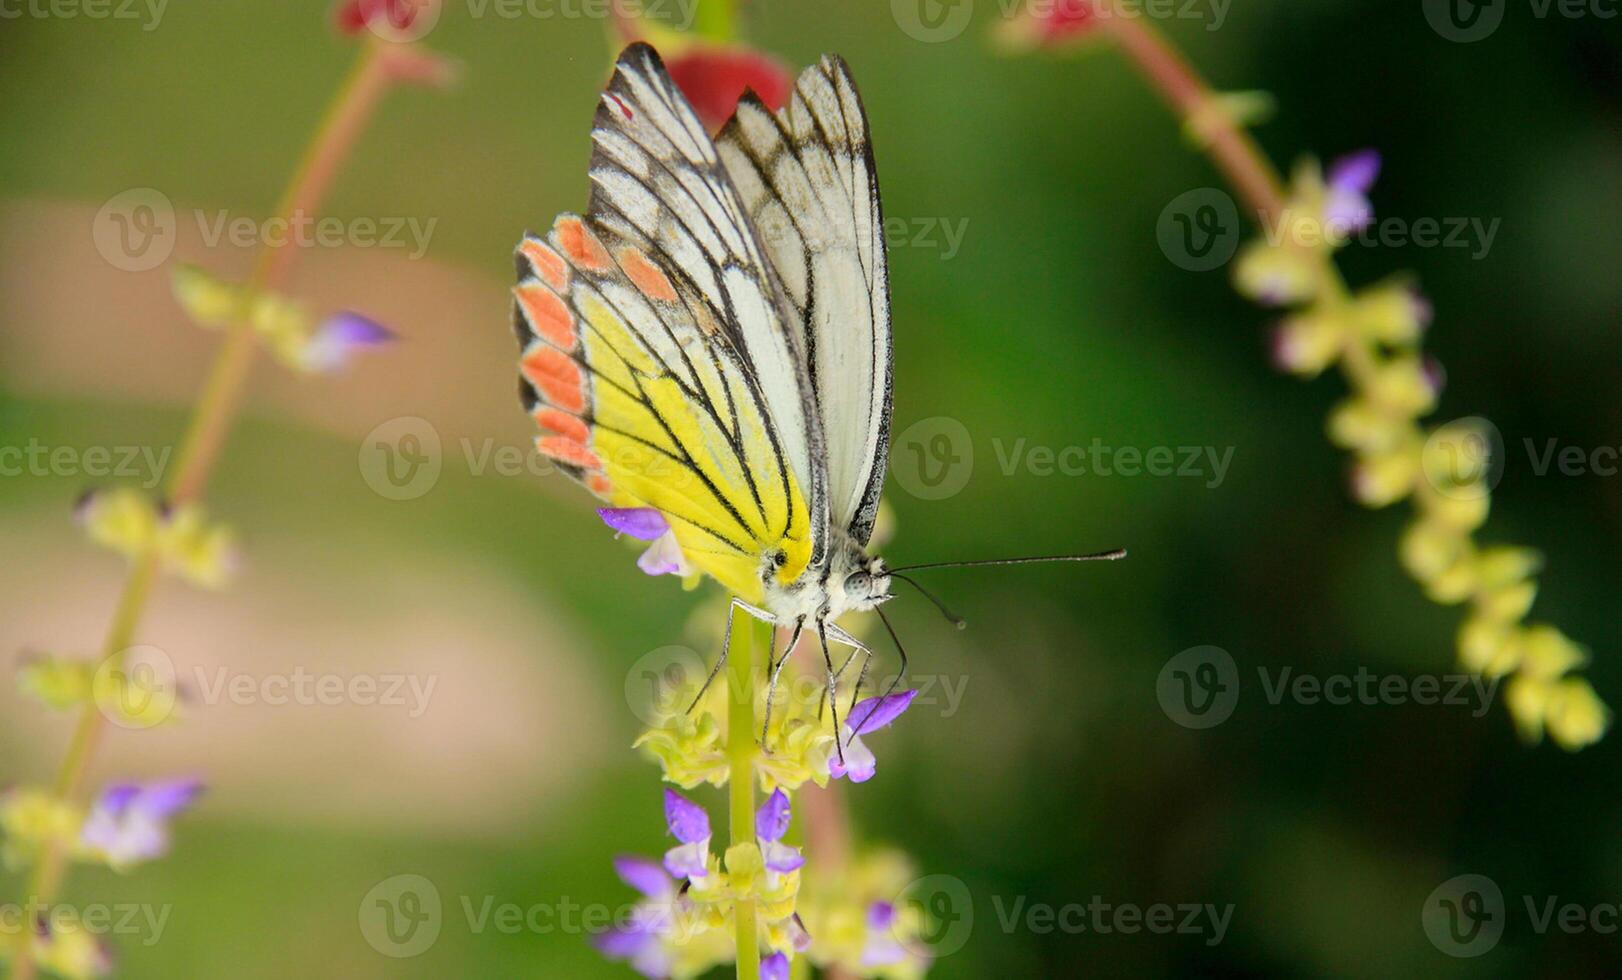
[807,178]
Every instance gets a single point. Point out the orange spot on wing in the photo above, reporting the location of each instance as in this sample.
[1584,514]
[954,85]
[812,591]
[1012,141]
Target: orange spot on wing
[548,314]
[568,451]
[580,245]
[563,424]
[600,485]
[645,275]
[556,376]
[548,264]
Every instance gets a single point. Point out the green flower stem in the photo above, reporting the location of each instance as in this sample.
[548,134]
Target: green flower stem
[210,422]
[1230,146]
[751,641]
[716,20]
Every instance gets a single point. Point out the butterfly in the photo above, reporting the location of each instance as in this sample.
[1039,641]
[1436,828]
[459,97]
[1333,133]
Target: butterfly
[708,348]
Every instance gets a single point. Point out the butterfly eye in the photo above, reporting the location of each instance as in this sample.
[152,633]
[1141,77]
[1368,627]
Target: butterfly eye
[859,583]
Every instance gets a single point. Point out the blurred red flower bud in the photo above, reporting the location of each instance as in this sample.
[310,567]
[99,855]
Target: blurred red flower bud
[714,78]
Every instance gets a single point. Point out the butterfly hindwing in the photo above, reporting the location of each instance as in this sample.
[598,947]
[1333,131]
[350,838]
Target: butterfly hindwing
[807,178]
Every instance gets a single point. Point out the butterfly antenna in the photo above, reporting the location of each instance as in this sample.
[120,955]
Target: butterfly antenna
[946,611]
[1115,555]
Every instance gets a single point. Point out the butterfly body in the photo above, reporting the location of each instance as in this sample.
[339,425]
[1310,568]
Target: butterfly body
[852,581]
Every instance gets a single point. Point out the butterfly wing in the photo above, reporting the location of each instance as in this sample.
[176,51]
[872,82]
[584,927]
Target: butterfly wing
[659,353]
[807,178]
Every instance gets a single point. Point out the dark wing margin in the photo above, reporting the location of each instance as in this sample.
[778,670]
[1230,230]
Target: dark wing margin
[809,182]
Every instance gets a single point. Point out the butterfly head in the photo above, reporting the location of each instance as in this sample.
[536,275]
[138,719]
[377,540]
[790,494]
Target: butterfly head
[867,583]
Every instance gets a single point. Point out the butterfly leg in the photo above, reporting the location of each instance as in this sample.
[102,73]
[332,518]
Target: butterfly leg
[832,693]
[900,650]
[776,670]
[857,648]
[726,643]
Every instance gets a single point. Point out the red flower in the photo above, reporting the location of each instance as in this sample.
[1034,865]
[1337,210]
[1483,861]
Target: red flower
[386,17]
[1050,23]
[714,78]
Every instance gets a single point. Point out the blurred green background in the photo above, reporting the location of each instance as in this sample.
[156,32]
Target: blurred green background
[1057,320]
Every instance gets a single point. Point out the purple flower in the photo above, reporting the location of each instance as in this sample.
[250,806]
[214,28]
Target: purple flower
[664,556]
[639,940]
[771,823]
[869,715]
[339,337]
[774,967]
[1346,204]
[130,822]
[881,948]
[691,825]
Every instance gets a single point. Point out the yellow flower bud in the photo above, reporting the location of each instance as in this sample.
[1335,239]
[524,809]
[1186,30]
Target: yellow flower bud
[1391,313]
[1506,565]
[1357,423]
[1488,647]
[210,302]
[56,682]
[1549,653]
[1459,510]
[1308,343]
[1575,716]
[1456,584]
[203,554]
[1384,478]
[1507,603]
[1403,386]
[1277,275]
[1527,698]
[122,519]
[1428,549]
[32,819]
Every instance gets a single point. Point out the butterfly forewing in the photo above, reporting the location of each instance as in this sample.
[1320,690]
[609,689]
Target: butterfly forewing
[655,172]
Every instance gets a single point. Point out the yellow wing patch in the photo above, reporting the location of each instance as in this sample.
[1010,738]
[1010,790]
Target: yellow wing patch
[649,409]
